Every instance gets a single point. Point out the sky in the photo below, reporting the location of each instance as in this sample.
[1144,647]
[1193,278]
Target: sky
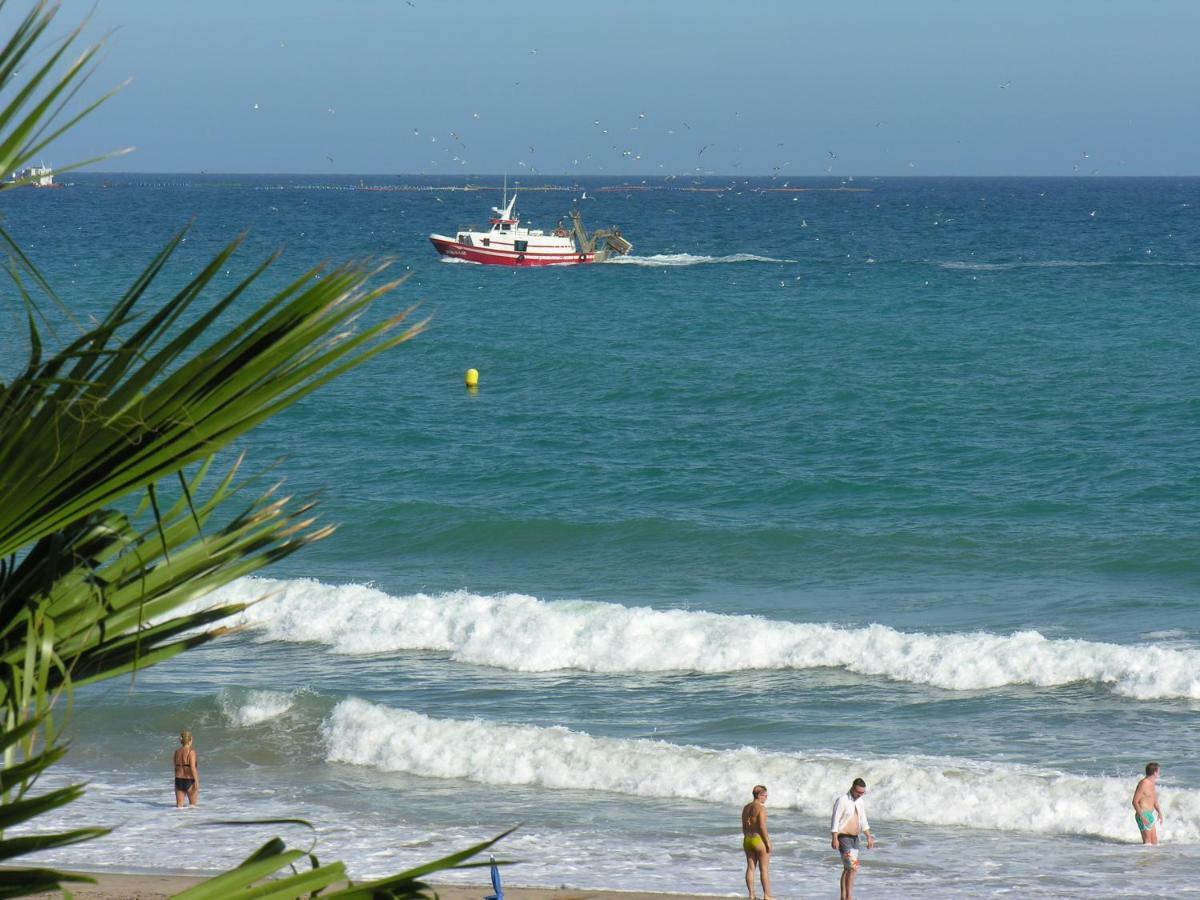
[643,87]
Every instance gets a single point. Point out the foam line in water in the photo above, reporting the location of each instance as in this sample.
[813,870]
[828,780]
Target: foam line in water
[688,259]
[521,633]
[1024,264]
[925,790]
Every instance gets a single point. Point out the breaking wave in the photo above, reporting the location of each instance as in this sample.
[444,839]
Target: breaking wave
[253,707]
[687,259]
[522,633]
[929,790]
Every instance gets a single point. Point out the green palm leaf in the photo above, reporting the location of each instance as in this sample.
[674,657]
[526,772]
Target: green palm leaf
[94,585]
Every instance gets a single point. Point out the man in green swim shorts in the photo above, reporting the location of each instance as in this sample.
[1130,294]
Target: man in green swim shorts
[1145,805]
[755,842]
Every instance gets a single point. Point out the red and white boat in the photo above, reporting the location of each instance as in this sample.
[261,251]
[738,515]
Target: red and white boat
[506,243]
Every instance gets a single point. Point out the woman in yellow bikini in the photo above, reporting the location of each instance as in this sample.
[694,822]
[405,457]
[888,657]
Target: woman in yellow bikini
[756,843]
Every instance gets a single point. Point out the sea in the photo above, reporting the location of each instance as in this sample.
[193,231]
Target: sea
[892,478]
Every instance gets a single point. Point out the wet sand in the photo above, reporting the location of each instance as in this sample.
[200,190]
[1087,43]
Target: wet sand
[159,887]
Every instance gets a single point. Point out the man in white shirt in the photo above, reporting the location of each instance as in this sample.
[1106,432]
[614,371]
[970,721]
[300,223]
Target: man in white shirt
[848,822]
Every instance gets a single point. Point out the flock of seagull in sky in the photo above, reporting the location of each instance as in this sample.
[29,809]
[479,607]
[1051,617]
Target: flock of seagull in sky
[453,146]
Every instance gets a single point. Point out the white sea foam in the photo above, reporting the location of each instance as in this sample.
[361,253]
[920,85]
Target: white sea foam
[687,259]
[1026,264]
[924,790]
[1169,634]
[255,707]
[521,633]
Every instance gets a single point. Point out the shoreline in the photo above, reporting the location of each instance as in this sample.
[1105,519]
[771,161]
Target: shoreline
[160,886]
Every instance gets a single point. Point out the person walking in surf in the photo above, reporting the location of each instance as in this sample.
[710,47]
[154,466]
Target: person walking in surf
[1145,805]
[848,822]
[755,842]
[187,775]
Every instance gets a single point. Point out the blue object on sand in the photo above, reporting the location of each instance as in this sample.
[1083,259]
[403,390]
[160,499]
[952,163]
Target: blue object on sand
[498,891]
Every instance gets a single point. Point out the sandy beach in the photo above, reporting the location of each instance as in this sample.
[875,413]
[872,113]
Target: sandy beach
[158,887]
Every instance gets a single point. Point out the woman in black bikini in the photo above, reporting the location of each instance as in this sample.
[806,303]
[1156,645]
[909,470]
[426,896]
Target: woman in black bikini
[187,776]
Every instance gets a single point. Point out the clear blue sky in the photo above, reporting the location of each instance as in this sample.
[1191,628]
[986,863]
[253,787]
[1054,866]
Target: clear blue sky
[925,87]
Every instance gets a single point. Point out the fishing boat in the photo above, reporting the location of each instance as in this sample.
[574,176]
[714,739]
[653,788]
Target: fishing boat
[36,176]
[505,243]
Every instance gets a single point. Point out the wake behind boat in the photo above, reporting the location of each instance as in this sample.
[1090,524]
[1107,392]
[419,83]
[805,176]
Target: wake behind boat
[506,243]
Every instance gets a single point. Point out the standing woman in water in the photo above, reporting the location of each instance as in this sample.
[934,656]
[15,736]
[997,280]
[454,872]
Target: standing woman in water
[187,776]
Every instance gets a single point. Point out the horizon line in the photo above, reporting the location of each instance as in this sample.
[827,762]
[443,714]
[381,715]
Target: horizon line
[644,177]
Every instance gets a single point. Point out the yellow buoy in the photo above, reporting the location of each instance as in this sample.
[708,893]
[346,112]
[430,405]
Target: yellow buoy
[472,378]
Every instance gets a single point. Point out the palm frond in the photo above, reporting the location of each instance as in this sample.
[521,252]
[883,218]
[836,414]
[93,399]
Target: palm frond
[135,407]
[121,419]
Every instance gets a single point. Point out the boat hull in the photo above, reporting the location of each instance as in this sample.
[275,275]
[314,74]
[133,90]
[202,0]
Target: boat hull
[495,256]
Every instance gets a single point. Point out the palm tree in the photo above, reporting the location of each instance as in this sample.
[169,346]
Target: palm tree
[114,512]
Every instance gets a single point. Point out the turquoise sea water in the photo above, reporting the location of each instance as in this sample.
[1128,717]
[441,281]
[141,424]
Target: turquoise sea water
[899,481]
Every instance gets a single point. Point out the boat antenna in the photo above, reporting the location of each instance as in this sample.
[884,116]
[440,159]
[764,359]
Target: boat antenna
[504,205]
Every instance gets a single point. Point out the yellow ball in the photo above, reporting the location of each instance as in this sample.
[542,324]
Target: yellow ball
[472,378]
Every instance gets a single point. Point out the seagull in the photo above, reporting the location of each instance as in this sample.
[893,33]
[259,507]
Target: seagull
[832,155]
[330,158]
[255,106]
[702,149]
[1005,85]
[1092,214]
